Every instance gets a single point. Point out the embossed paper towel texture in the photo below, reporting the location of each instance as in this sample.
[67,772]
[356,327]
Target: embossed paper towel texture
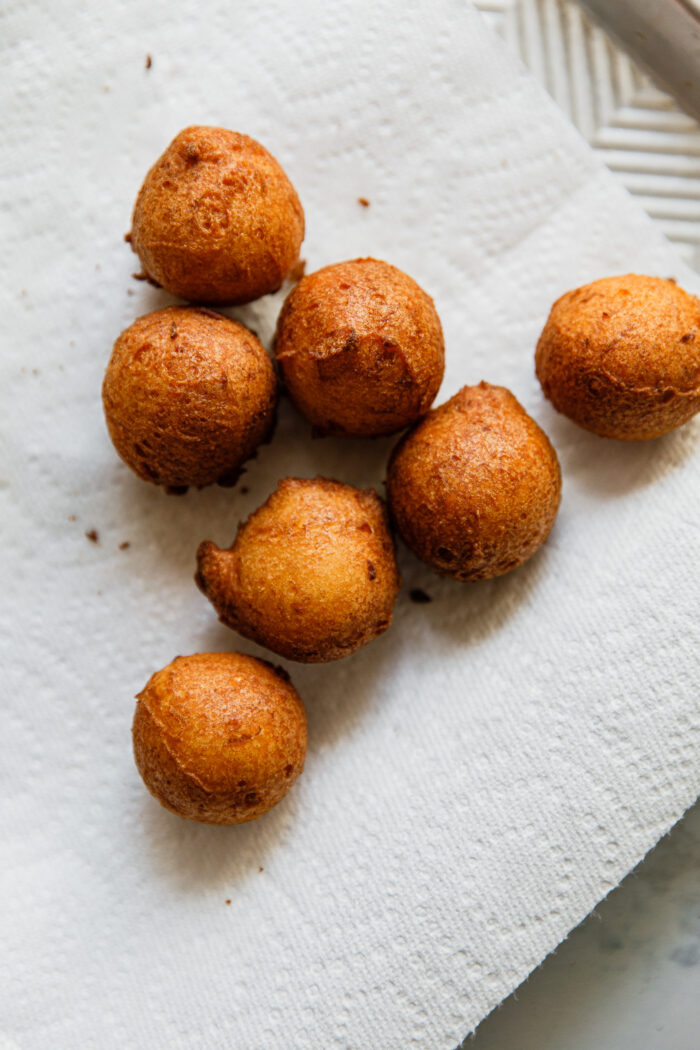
[481,775]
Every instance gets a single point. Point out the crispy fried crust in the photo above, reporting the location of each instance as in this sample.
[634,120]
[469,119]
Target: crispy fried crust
[621,356]
[219,737]
[312,574]
[188,396]
[360,347]
[217,220]
[474,488]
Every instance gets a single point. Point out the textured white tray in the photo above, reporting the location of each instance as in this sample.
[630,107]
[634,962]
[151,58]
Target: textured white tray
[640,132]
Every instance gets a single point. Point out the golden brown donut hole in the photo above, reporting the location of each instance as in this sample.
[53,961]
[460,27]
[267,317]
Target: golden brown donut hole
[475,486]
[312,574]
[188,396]
[621,356]
[219,737]
[360,348]
[216,219]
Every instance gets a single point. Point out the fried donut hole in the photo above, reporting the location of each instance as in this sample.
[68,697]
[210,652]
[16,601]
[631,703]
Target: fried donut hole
[621,357]
[188,396]
[474,488]
[360,348]
[219,737]
[216,219]
[312,574]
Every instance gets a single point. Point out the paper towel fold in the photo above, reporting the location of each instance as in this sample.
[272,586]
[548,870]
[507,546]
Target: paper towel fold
[484,773]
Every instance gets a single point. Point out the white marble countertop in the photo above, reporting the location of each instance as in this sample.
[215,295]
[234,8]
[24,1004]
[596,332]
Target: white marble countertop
[629,976]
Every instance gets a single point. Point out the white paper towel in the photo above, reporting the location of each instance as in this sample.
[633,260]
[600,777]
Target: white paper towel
[484,773]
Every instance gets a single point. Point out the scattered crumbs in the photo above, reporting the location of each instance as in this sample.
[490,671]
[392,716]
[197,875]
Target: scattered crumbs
[228,899]
[93,535]
[130,291]
[23,292]
[106,88]
[35,371]
[245,490]
[363,201]
[99,594]
[72,517]
[139,276]
[60,368]
[127,238]
[149,63]
[72,342]
[297,271]
[260,869]
[419,596]
[97,266]
[125,545]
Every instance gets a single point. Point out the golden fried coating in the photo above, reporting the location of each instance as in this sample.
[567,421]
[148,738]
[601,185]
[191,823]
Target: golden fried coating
[621,356]
[360,348]
[217,220]
[312,574]
[188,397]
[474,488]
[219,737]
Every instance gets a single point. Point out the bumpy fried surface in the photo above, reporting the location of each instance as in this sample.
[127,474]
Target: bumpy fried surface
[217,220]
[360,348]
[312,574]
[188,396]
[474,488]
[621,356]
[219,737]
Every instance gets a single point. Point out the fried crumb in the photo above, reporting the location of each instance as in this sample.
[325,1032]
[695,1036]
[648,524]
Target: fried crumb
[228,899]
[124,545]
[419,596]
[260,869]
[144,277]
[363,201]
[93,535]
[72,517]
[149,63]
[297,271]
[127,238]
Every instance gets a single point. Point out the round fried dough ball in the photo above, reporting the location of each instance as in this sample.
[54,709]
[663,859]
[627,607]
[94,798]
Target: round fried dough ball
[217,220]
[312,574]
[621,356]
[219,737]
[360,348]
[474,488]
[188,397]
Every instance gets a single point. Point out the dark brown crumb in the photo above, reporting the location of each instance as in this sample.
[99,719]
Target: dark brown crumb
[363,201]
[176,490]
[93,535]
[124,545]
[145,277]
[297,271]
[244,490]
[127,238]
[149,63]
[260,869]
[228,900]
[419,596]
